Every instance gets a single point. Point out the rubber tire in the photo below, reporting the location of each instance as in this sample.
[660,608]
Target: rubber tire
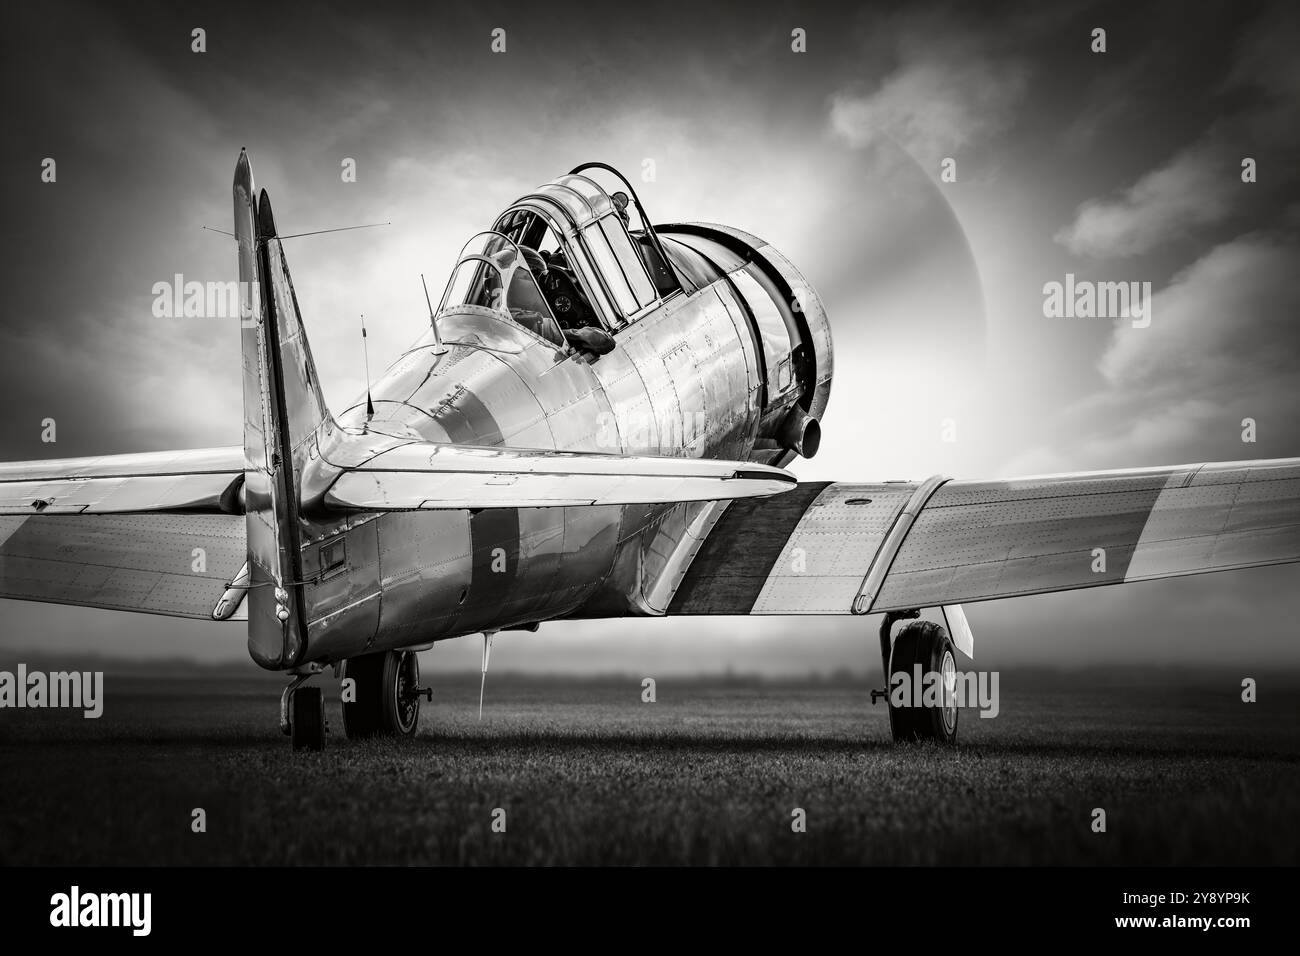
[307,719]
[400,721]
[376,712]
[925,643]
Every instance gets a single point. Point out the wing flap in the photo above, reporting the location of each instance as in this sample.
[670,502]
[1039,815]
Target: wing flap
[177,565]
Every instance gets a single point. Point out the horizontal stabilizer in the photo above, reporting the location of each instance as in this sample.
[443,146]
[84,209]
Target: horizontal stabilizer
[422,475]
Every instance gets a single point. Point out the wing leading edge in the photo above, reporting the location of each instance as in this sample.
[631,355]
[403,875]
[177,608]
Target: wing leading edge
[857,548]
[422,476]
[202,480]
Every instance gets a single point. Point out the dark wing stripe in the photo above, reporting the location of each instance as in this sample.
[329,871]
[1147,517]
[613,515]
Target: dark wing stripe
[730,570]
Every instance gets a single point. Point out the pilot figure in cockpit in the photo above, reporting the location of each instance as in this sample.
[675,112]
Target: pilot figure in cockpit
[568,304]
[536,263]
[577,322]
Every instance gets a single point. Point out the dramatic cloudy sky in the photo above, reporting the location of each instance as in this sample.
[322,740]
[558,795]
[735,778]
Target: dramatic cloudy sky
[1123,165]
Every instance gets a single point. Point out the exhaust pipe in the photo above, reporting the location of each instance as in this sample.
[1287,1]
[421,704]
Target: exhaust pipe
[800,433]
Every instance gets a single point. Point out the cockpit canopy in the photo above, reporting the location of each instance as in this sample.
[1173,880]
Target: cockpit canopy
[567,263]
[492,273]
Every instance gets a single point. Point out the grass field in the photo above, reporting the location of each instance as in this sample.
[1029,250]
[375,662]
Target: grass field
[709,774]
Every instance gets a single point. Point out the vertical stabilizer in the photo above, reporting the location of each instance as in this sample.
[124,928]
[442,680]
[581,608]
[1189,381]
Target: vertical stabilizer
[284,415]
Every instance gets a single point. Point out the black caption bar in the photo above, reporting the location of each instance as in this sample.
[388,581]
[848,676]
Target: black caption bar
[339,905]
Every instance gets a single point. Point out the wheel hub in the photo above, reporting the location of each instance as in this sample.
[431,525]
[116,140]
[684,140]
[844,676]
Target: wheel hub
[948,671]
[406,690]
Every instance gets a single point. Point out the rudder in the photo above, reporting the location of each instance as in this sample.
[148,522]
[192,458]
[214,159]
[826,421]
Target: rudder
[284,413]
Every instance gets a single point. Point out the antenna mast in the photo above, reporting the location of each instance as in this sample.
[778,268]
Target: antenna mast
[438,347]
[365,349]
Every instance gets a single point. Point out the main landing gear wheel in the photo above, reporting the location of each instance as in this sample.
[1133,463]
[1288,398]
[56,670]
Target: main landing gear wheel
[307,721]
[387,695]
[927,644]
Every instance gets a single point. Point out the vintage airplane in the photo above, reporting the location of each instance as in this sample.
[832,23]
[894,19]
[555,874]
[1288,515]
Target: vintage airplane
[595,425]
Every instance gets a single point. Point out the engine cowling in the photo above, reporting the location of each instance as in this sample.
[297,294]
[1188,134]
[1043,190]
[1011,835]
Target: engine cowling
[790,329]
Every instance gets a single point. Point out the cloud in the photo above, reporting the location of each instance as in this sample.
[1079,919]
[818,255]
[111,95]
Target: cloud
[1232,312]
[1193,189]
[1200,185]
[948,93]
[1221,347]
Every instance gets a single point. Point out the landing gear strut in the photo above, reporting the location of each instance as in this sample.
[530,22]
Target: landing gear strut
[926,646]
[387,695]
[302,714]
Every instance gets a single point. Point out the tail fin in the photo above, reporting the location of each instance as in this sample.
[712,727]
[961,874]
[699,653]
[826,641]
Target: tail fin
[284,412]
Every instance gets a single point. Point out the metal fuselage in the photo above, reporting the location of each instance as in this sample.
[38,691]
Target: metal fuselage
[700,375]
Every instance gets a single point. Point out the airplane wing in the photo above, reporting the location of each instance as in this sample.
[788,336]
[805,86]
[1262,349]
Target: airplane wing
[423,475]
[164,532]
[178,565]
[832,548]
[203,480]
[159,533]
[411,476]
